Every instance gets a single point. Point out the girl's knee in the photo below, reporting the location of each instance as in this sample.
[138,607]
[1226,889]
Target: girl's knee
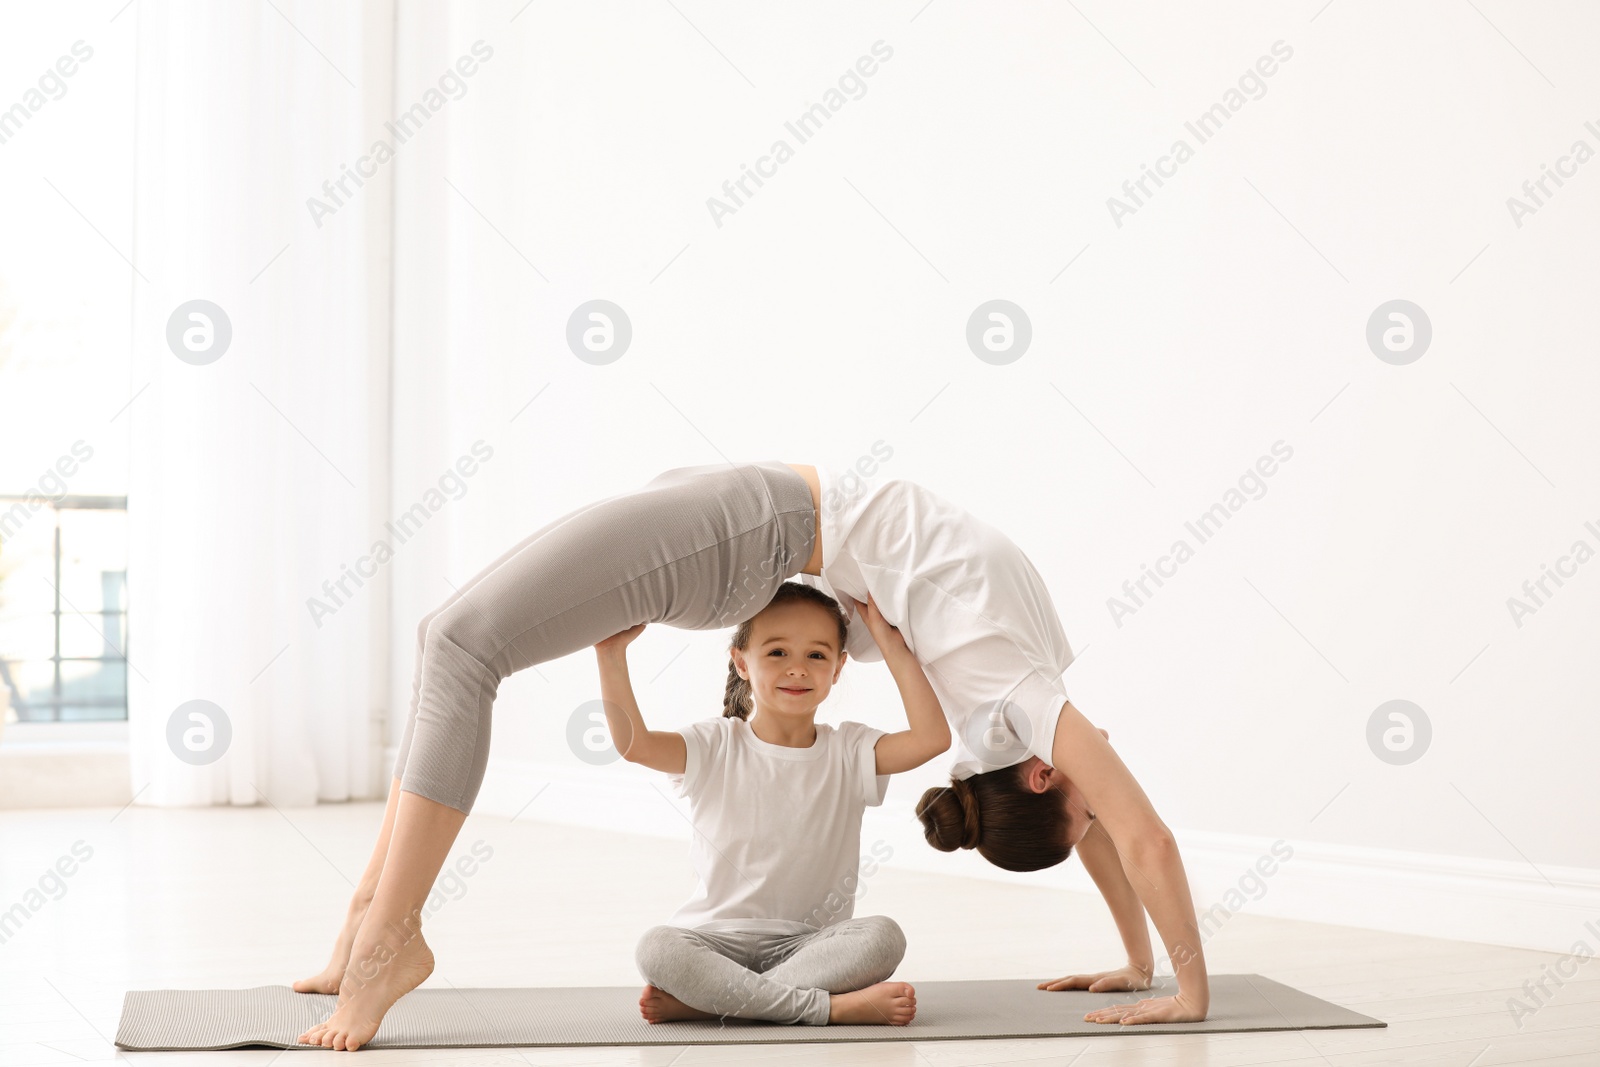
[887,933]
[888,947]
[655,952]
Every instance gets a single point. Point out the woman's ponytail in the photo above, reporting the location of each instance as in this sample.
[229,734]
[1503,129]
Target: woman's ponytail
[995,812]
[950,816]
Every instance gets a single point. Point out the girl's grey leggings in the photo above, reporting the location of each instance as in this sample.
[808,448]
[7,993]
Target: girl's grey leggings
[697,548]
[725,969]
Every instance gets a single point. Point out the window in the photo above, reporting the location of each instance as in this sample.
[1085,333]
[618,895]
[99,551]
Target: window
[63,609]
[66,289]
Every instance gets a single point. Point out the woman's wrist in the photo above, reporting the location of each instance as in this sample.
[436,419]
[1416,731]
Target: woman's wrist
[1194,985]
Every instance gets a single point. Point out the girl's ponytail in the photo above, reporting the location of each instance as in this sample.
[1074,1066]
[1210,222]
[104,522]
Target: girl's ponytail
[736,696]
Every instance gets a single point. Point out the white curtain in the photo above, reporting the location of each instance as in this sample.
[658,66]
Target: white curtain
[259,477]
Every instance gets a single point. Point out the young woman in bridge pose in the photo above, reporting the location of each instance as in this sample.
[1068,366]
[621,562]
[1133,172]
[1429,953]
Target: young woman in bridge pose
[706,548]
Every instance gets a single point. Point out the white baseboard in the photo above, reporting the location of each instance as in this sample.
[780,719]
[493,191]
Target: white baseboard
[1461,898]
[1457,897]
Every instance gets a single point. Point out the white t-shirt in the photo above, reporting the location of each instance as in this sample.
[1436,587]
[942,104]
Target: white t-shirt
[777,830]
[968,602]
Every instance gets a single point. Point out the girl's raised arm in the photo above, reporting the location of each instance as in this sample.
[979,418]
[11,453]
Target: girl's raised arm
[661,750]
[929,733]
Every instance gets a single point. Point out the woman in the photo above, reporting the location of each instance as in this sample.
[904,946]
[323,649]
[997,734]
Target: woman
[703,548]
[1033,778]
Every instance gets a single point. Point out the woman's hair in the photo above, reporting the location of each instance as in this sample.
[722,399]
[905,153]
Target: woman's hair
[736,698]
[1010,825]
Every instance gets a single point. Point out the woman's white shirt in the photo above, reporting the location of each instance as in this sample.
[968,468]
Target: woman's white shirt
[970,604]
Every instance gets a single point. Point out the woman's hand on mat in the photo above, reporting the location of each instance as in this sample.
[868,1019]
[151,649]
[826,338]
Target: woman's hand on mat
[1121,980]
[1173,1009]
[617,642]
[887,636]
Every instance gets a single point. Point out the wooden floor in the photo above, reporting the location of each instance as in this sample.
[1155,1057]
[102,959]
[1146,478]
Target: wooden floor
[241,897]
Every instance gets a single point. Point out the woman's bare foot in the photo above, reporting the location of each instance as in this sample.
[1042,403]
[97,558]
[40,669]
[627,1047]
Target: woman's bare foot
[659,1006]
[894,1003]
[377,976]
[328,980]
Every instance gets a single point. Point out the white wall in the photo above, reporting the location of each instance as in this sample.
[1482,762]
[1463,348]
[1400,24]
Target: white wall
[1227,314]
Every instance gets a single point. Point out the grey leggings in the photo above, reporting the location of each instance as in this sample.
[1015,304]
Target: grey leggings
[697,548]
[780,977]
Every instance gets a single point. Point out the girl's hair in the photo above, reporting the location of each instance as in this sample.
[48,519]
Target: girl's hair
[994,812]
[736,698]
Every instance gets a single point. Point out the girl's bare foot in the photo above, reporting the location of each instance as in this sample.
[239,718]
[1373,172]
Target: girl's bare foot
[659,1006]
[893,1003]
[378,976]
[327,981]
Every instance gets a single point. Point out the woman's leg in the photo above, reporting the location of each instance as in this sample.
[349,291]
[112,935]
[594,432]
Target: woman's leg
[327,981]
[465,590]
[698,548]
[695,548]
[389,957]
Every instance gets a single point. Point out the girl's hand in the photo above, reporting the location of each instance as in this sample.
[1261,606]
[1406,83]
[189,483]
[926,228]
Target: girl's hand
[1119,981]
[1173,1009]
[618,642]
[887,637]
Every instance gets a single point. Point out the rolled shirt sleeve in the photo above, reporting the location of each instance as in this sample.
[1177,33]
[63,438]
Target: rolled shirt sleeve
[702,743]
[862,742]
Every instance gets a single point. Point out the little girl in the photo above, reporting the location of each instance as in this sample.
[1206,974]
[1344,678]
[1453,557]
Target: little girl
[776,801]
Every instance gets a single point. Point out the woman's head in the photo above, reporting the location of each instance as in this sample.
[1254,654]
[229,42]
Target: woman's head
[1025,817]
[787,656]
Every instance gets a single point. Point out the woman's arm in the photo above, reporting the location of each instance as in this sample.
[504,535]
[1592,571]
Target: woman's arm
[1149,854]
[929,733]
[661,750]
[1104,864]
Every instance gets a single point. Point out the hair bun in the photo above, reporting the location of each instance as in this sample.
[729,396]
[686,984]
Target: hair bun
[972,830]
[949,816]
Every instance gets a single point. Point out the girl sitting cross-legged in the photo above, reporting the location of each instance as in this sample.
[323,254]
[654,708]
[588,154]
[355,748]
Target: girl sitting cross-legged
[776,800]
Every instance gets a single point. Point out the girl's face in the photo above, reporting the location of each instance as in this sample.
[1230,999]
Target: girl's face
[793,658]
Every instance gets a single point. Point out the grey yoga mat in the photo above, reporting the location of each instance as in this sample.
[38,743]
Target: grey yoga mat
[199,1019]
